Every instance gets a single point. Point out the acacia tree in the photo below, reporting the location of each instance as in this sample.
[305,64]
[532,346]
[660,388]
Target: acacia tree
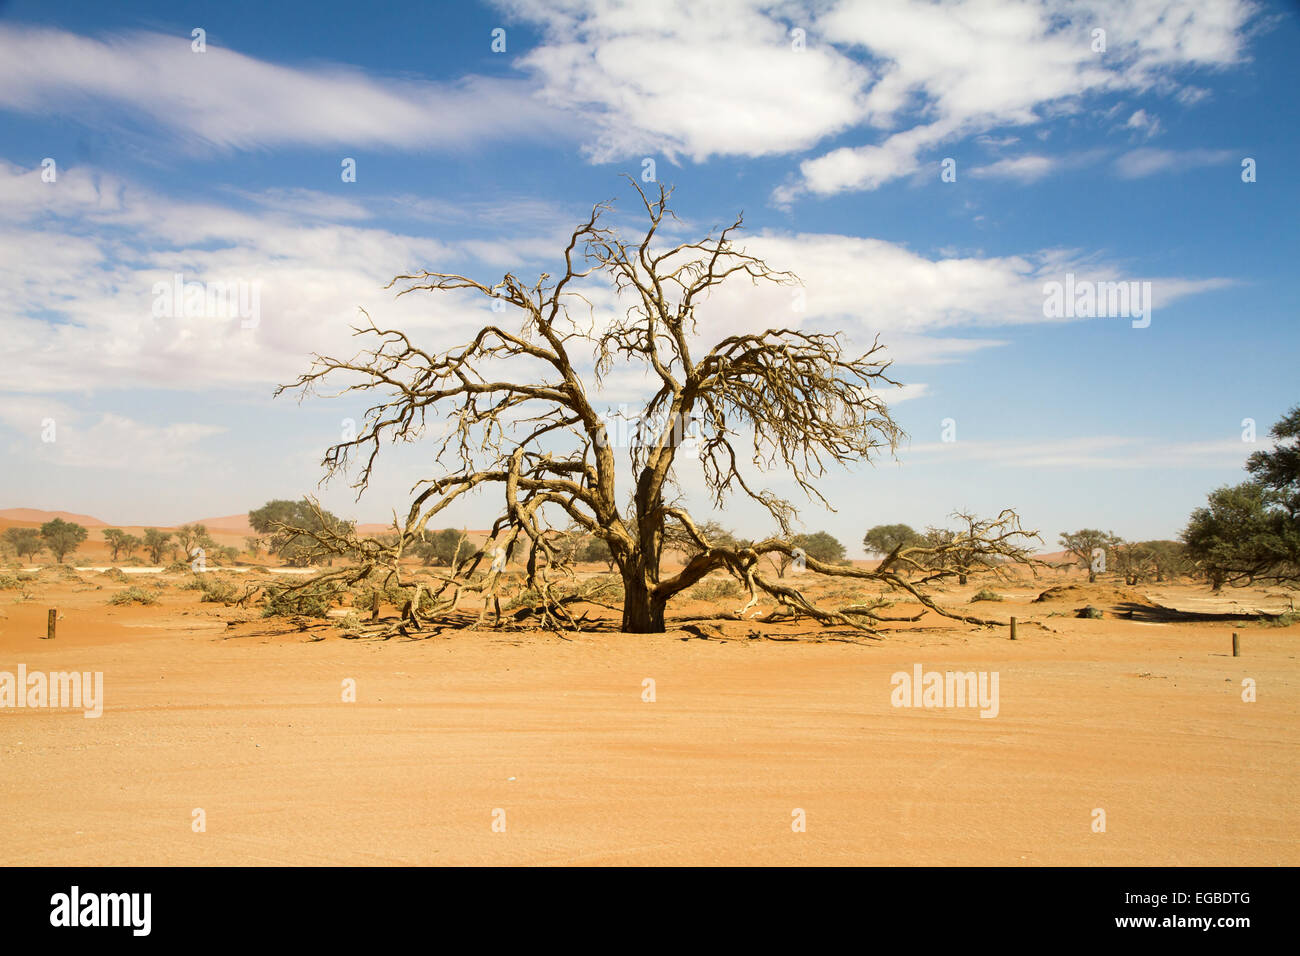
[156,542]
[26,542]
[1084,545]
[116,539]
[191,536]
[521,418]
[1251,532]
[884,538]
[62,537]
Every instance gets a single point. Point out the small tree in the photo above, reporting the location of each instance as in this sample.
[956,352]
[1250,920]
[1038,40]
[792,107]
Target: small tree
[1170,558]
[62,537]
[156,543]
[595,550]
[26,542]
[1135,561]
[1251,532]
[295,529]
[884,538]
[191,536]
[819,545]
[444,547]
[117,540]
[1085,543]
[1235,538]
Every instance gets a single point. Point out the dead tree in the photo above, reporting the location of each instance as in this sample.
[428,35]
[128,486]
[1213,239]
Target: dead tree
[521,419]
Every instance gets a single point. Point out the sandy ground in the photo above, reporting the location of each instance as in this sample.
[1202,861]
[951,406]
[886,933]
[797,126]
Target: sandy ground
[1142,720]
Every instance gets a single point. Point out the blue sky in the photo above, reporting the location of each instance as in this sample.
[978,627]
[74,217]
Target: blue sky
[1122,164]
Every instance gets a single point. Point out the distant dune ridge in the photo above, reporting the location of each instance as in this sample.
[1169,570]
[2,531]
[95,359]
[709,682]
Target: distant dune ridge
[21,517]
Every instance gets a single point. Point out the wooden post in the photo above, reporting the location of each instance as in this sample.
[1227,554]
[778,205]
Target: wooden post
[1013,628]
[1236,648]
[51,624]
[374,606]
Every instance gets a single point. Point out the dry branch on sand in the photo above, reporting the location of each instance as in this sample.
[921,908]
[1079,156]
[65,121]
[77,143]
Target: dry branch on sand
[518,418]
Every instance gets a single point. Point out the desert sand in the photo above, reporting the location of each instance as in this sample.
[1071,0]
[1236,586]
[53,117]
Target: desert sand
[216,709]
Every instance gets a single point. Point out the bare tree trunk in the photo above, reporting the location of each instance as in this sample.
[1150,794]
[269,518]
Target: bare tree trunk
[1092,577]
[643,613]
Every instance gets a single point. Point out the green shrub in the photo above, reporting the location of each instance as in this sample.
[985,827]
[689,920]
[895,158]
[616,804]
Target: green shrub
[113,574]
[311,599]
[217,591]
[712,589]
[132,596]
[984,594]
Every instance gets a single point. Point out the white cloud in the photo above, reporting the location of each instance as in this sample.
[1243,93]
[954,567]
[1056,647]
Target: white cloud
[1145,124]
[224,99]
[1094,452]
[1148,162]
[680,78]
[698,80]
[1026,169]
[80,259]
[58,433]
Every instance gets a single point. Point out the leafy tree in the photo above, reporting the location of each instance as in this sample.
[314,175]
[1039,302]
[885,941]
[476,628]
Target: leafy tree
[26,542]
[445,546]
[293,526]
[819,545]
[1251,531]
[191,536]
[130,544]
[62,537]
[884,538]
[1238,537]
[823,546]
[594,550]
[1135,561]
[1170,558]
[1278,470]
[120,542]
[156,543]
[1084,543]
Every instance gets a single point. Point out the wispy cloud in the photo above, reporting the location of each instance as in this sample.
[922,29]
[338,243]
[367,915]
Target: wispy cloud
[1025,169]
[1149,162]
[226,100]
[81,258]
[54,432]
[1092,452]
